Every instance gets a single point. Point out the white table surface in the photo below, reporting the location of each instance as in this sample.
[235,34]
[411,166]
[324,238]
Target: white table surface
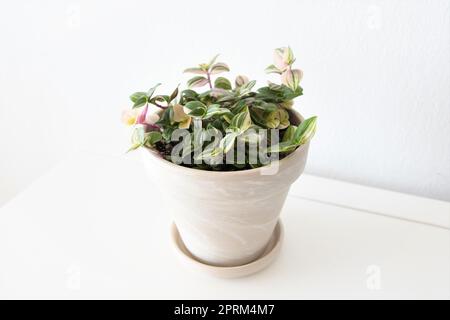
[92,228]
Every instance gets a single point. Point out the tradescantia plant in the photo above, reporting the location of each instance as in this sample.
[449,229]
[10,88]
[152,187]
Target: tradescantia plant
[219,120]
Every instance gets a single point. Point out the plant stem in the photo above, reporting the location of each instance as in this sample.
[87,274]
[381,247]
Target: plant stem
[160,106]
[209,79]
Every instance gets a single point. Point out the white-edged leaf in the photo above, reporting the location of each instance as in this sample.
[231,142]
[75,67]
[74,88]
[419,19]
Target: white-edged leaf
[247,87]
[227,142]
[215,110]
[305,131]
[242,121]
[289,134]
[195,71]
[222,83]
[241,80]
[195,109]
[219,67]
[272,69]
[198,81]
[174,94]
[282,147]
[292,78]
[138,137]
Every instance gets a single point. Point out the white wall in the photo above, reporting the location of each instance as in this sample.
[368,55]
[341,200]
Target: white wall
[377,73]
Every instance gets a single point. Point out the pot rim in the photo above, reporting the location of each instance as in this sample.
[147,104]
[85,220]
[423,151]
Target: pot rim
[252,171]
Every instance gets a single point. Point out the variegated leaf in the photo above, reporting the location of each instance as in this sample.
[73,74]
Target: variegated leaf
[153,137]
[240,80]
[195,71]
[218,68]
[198,81]
[195,109]
[137,95]
[140,101]
[216,110]
[272,69]
[291,78]
[242,121]
[289,134]
[246,88]
[228,141]
[305,131]
[222,83]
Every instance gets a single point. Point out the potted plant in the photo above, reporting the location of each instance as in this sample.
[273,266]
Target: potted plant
[225,156]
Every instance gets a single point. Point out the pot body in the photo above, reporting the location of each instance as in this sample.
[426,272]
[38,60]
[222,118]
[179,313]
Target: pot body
[225,218]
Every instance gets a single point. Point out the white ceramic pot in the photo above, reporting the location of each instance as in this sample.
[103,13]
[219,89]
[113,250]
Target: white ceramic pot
[225,218]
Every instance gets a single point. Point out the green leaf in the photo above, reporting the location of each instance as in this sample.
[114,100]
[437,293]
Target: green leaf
[289,94]
[305,131]
[286,146]
[209,151]
[227,98]
[204,67]
[219,67]
[197,113]
[222,83]
[272,120]
[227,142]
[292,139]
[289,134]
[137,95]
[174,94]
[239,106]
[278,93]
[165,119]
[205,94]
[195,109]
[167,133]
[198,81]
[140,102]
[206,154]
[216,110]
[264,106]
[153,137]
[152,90]
[188,95]
[246,88]
[242,121]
